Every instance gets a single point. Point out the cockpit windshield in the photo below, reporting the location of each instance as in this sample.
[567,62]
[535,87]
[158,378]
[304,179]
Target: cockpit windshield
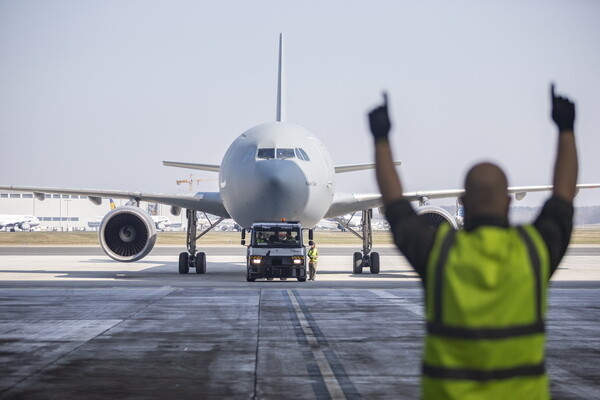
[282,154]
[302,155]
[266,153]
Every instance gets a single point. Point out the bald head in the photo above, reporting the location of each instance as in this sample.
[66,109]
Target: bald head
[486,191]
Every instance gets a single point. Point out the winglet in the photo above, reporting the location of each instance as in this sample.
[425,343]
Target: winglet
[280,84]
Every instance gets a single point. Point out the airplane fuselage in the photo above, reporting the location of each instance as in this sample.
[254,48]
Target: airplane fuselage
[277,170]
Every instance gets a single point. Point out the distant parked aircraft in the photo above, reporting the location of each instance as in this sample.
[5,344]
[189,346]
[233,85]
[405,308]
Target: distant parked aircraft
[23,222]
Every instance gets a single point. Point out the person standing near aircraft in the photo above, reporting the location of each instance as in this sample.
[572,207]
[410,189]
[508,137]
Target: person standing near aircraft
[486,285]
[313,258]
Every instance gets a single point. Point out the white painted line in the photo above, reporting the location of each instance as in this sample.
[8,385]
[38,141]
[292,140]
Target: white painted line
[331,382]
[401,301]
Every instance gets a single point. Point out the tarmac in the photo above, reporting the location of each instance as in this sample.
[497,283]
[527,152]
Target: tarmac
[76,324]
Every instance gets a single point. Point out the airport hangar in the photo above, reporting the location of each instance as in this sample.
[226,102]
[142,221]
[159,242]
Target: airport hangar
[63,212]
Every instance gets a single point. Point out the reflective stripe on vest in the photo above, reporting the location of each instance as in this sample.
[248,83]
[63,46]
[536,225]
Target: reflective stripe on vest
[485,309]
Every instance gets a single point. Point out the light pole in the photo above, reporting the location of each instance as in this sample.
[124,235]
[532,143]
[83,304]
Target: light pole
[67,201]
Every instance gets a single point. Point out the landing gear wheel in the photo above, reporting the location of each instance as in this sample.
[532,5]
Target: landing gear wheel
[248,278]
[302,279]
[283,279]
[357,266]
[184,268]
[374,263]
[200,263]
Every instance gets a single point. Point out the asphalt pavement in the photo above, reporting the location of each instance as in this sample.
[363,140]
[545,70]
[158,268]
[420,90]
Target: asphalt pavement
[79,325]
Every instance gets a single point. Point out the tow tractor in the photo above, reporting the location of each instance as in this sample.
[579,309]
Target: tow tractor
[276,251]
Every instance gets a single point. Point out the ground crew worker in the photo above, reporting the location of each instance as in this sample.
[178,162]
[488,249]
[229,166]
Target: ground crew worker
[486,285]
[313,258]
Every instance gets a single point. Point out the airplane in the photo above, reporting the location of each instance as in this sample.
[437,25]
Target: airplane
[22,222]
[273,171]
[329,225]
[161,222]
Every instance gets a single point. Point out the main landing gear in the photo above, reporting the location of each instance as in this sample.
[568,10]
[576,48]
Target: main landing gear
[366,259]
[191,259]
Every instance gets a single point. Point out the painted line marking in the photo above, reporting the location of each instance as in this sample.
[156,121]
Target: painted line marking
[331,382]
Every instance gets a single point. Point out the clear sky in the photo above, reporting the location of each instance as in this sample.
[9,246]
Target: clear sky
[95,94]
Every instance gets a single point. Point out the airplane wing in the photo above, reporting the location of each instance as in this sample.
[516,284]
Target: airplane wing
[358,167]
[346,203]
[209,202]
[203,167]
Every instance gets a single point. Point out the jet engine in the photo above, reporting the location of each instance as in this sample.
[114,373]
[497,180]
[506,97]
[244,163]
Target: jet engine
[25,226]
[127,234]
[435,216]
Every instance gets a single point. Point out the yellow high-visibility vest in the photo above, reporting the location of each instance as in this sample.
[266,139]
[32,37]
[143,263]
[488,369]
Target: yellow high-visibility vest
[313,254]
[486,302]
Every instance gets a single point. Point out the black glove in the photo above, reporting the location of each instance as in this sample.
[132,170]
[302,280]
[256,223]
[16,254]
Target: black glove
[379,121]
[563,111]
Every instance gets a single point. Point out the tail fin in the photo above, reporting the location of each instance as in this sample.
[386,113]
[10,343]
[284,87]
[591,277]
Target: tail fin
[112,204]
[280,84]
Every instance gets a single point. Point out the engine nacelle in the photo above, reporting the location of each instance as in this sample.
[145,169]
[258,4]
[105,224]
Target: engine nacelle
[25,226]
[435,216]
[127,234]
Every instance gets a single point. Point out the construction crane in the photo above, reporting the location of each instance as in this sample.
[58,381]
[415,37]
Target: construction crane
[190,181]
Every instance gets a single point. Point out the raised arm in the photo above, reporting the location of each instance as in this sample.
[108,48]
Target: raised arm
[565,167]
[387,177]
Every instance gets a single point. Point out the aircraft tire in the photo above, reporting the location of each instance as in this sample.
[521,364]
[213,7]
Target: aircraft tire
[357,265]
[248,278]
[302,279]
[184,268]
[374,263]
[200,263]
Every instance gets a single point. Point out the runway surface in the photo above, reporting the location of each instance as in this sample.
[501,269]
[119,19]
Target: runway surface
[79,325]
[331,250]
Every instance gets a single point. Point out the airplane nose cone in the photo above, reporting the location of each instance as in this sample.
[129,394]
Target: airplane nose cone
[281,187]
[278,177]
[274,179]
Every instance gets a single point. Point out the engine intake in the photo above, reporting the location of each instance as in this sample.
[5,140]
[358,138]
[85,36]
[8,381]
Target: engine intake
[435,216]
[127,234]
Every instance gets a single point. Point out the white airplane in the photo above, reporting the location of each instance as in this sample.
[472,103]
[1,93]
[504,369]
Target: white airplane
[273,171]
[22,222]
[161,222]
[328,225]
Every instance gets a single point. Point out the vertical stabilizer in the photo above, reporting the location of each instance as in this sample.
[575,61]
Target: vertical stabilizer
[280,84]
